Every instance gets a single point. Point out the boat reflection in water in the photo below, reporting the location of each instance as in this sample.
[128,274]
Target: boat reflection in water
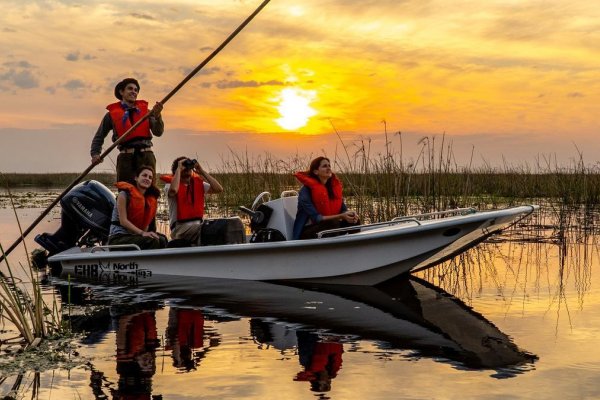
[317,322]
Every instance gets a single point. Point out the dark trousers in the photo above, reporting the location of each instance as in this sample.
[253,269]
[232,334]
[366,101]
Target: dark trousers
[128,163]
[143,242]
[311,231]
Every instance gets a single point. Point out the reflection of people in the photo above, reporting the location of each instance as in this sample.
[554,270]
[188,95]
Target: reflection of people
[136,149]
[321,359]
[135,209]
[267,333]
[185,332]
[320,202]
[136,355]
[188,185]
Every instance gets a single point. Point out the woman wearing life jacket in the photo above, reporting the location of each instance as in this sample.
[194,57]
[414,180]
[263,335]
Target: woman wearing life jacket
[320,202]
[135,209]
[186,191]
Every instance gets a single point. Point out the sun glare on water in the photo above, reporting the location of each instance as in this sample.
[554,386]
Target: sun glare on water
[294,108]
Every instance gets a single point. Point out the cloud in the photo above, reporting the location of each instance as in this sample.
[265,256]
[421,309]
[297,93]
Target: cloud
[25,80]
[74,84]
[516,23]
[19,64]
[72,56]
[205,71]
[252,83]
[19,74]
[76,56]
[142,16]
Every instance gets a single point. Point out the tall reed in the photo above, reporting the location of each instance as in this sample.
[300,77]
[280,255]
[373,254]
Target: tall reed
[22,302]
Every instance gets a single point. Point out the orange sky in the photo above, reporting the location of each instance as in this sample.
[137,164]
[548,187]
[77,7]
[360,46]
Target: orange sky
[514,79]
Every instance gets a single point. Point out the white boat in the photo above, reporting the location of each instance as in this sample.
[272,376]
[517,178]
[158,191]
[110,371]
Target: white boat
[376,253]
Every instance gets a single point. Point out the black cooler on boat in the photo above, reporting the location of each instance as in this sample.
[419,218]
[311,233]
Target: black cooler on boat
[85,218]
[222,231]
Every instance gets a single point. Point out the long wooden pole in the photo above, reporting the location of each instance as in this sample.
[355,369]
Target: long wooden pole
[120,139]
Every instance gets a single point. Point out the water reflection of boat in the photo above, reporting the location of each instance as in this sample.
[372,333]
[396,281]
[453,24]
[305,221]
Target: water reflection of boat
[400,314]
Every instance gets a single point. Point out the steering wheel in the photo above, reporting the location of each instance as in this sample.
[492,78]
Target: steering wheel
[260,199]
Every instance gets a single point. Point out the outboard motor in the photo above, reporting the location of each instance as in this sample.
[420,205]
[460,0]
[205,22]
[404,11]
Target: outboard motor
[85,218]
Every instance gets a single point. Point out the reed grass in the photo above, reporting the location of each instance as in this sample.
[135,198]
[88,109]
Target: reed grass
[22,302]
[382,185]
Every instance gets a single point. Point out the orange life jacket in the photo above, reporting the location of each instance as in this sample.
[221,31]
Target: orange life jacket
[190,198]
[320,197]
[140,209]
[122,123]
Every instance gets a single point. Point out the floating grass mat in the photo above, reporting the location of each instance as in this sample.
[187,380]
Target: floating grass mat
[54,352]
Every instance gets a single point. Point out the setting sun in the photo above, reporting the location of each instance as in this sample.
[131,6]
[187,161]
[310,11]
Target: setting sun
[294,108]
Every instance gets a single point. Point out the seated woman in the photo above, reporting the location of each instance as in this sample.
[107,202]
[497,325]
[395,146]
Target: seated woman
[135,209]
[320,202]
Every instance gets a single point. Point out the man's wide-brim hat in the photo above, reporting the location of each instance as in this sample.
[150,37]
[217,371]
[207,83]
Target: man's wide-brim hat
[121,85]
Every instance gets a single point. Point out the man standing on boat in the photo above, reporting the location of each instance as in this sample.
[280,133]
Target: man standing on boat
[185,192]
[136,149]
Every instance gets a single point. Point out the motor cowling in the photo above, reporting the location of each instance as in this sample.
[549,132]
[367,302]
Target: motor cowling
[90,204]
[86,212]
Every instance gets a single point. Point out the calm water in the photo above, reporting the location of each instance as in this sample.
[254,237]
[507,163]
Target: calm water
[516,317]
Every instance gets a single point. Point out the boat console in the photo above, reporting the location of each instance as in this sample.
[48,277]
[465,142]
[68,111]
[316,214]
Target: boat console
[272,220]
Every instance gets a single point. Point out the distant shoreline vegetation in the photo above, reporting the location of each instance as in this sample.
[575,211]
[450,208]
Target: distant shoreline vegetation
[381,186]
[576,187]
[58,180]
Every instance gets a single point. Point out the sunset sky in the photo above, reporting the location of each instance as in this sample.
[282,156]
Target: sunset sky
[513,80]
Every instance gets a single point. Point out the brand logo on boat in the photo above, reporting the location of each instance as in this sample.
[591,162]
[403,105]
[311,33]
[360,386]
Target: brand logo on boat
[82,207]
[94,269]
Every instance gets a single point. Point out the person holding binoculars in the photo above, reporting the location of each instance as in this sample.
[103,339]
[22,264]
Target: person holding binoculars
[185,193]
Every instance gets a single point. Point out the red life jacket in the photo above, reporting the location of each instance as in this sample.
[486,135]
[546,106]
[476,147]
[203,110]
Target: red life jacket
[190,327]
[190,198]
[140,209]
[139,332]
[326,356]
[121,123]
[320,197]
